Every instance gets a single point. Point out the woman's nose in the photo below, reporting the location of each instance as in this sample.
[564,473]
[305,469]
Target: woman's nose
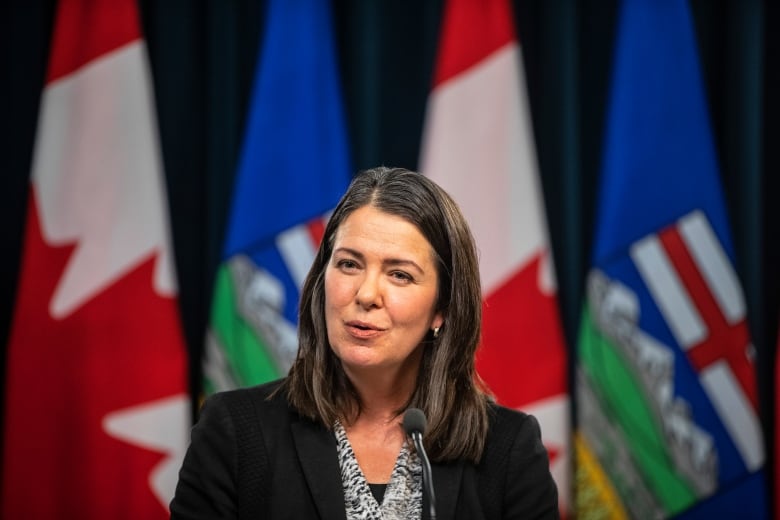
[369,292]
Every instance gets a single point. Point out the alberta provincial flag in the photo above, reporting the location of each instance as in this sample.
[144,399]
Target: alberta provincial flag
[478,145]
[666,388]
[293,168]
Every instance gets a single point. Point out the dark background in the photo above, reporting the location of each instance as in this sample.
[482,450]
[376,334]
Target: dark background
[203,55]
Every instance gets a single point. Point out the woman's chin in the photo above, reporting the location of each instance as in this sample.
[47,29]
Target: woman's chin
[363,363]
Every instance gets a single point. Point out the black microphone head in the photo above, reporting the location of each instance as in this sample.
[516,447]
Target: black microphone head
[414,421]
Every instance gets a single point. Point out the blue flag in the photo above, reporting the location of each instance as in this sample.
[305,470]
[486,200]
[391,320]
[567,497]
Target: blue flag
[293,168]
[666,390]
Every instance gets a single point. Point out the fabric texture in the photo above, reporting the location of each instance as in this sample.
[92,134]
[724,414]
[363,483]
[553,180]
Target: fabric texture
[253,456]
[403,496]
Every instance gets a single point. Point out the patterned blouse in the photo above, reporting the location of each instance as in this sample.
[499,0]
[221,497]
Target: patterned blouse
[403,497]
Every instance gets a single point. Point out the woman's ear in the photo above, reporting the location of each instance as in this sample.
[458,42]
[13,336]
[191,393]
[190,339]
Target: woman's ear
[438,321]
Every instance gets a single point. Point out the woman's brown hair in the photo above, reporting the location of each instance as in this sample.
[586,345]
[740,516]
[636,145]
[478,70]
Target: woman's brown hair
[448,389]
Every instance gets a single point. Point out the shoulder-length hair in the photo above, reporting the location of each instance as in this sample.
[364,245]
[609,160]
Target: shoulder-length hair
[448,388]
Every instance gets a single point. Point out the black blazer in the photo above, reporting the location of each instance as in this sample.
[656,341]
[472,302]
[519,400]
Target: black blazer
[250,457]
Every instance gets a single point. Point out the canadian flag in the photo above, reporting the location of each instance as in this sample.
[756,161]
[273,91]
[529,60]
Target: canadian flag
[97,410]
[478,145]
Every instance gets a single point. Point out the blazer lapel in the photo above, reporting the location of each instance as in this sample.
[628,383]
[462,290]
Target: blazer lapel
[316,448]
[446,482]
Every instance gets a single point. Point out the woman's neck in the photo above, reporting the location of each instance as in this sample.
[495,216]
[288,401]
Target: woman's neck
[376,434]
[382,395]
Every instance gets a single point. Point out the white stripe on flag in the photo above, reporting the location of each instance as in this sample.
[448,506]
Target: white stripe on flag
[735,411]
[668,291]
[478,146]
[714,265]
[298,252]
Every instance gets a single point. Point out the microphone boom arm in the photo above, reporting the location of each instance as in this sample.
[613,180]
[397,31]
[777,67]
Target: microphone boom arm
[414,425]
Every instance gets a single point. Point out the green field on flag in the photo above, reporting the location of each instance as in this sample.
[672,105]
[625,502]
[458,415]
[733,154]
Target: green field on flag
[246,353]
[624,401]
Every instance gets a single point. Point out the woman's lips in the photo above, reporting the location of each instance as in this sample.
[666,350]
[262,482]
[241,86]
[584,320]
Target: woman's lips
[362,330]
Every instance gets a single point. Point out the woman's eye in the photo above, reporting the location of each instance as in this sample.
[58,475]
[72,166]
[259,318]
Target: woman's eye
[347,264]
[402,276]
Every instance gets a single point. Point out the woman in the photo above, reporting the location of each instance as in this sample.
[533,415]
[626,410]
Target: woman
[390,318]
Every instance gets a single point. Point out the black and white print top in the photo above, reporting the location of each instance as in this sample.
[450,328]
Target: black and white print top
[403,496]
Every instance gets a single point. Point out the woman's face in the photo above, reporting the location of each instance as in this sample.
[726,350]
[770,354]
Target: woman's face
[380,292]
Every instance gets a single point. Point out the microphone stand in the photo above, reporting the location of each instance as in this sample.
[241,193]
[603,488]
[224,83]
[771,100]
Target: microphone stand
[427,477]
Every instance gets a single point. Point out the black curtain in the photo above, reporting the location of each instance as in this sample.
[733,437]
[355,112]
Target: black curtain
[203,54]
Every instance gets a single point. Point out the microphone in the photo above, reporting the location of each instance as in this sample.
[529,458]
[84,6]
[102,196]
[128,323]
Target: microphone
[414,426]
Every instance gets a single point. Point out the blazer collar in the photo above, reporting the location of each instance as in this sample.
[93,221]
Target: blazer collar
[316,448]
[317,453]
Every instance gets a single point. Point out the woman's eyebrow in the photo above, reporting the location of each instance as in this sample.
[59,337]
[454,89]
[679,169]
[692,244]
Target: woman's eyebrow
[392,262]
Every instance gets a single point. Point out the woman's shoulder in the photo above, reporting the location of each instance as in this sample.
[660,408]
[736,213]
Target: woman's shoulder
[501,417]
[515,467]
[261,391]
[509,428]
[249,401]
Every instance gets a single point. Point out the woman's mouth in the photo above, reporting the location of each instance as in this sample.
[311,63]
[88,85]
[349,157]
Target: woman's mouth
[361,329]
